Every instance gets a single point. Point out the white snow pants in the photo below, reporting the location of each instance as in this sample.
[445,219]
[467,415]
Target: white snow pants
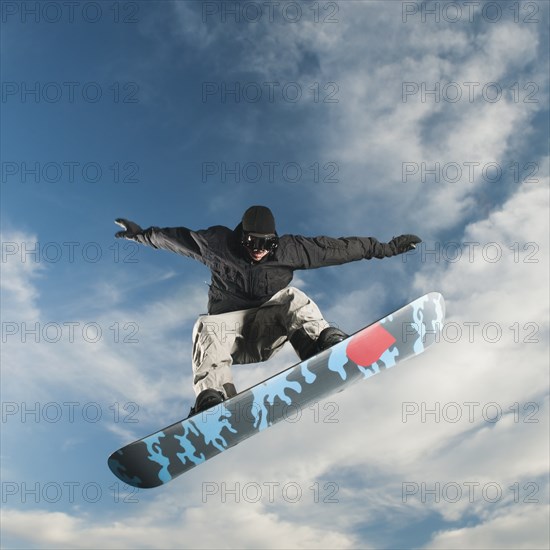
[251,336]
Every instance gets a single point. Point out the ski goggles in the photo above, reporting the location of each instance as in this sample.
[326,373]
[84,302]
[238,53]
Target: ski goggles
[256,241]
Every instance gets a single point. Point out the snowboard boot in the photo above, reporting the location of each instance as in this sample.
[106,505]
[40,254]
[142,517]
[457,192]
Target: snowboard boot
[329,337]
[306,347]
[206,399]
[303,345]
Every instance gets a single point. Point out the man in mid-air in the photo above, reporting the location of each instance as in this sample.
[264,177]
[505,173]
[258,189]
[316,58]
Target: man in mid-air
[252,311]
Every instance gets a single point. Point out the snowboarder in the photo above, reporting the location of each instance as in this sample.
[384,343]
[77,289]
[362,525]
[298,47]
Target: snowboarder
[252,310]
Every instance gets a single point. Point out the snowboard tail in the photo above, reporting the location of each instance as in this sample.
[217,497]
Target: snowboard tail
[168,453]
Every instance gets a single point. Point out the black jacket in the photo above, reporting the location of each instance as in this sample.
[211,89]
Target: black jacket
[240,283]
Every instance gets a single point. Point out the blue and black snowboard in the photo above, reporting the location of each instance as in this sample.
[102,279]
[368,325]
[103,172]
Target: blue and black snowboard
[168,453]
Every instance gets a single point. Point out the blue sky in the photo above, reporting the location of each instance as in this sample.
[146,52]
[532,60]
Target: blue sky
[345,118]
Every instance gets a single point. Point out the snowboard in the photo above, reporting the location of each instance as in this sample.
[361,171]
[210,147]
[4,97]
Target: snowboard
[168,453]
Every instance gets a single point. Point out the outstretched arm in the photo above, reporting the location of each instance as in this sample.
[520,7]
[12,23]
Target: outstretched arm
[176,239]
[309,253]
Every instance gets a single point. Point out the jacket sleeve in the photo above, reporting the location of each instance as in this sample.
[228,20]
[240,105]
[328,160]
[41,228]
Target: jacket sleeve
[312,252]
[175,239]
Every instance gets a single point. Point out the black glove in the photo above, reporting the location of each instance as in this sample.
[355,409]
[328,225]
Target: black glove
[131,229]
[404,243]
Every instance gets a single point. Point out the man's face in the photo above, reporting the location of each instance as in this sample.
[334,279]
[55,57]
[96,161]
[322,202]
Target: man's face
[258,246]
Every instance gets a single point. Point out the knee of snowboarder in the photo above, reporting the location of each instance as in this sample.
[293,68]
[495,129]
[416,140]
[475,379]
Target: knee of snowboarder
[297,295]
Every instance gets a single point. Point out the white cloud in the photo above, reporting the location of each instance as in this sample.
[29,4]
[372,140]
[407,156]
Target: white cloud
[19,268]
[526,528]
[495,276]
[375,128]
[160,526]
[205,29]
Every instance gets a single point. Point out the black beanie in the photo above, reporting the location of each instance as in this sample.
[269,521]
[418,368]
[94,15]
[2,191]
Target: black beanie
[259,219]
